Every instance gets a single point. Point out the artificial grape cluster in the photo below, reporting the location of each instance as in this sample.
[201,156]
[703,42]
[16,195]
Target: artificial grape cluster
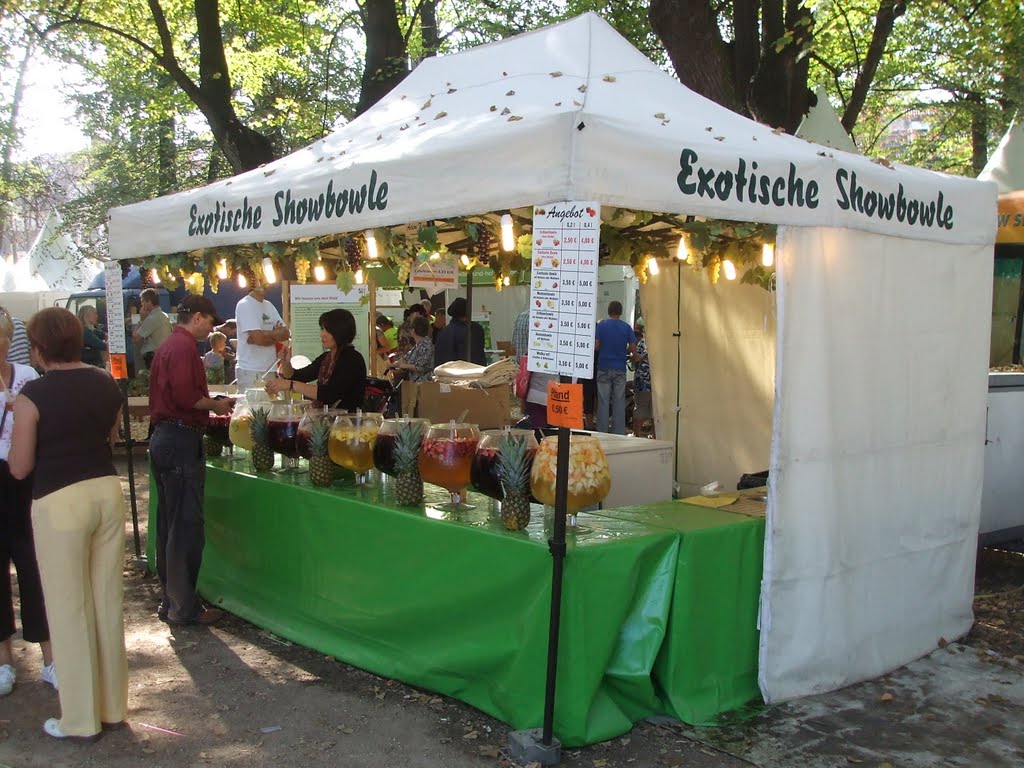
[302,266]
[404,267]
[144,278]
[353,253]
[640,270]
[714,269]
[483,243]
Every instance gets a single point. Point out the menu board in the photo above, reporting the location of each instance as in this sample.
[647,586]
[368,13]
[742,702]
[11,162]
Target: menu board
[308,302]
[116,340]
[563,288]
[435,275]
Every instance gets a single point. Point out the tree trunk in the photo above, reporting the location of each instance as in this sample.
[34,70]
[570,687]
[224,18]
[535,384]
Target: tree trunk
[428,28]
[888,12]
[386,63]
[780,96]
[979,132]
[243,147]
[689,31]
[7,245]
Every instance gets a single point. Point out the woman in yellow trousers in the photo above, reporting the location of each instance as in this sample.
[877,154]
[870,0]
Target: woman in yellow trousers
[65,427]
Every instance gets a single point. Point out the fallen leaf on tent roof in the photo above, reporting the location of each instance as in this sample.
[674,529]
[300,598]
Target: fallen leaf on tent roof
[709,128]
[402,96]
[882,161]
[943,642]
[514,118]
[558,103]
[439,115]
[665,122]
[609,78]
[822,154]
[778,130]
[404,126]
[493,108]
[426,105]
[511,93]
[319,160]
[229,183]
[885,697]
[269,173]
[555,74]
[660,115]
[719,138]
[452,90]
[505,74]
[380,136]
[582,88]
[342,152]
[576,103]
[506,111]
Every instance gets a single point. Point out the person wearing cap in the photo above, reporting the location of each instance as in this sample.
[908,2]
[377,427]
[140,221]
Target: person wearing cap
[179,408]
[451,342]
[260,330]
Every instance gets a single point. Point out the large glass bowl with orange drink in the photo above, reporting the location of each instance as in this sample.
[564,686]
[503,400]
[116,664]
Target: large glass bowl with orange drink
[446,458]
[590,478]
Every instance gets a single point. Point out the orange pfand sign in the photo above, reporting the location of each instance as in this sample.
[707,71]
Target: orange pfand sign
[119,366]
[565,405]
[1011,218]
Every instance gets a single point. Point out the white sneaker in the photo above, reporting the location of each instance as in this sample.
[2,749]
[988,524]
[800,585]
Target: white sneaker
[50,675]
[7,679]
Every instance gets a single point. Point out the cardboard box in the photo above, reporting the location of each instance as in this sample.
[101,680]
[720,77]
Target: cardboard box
[487,407]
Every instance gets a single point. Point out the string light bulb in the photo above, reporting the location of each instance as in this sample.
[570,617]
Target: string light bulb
[359,276]
[435,256]
[268,270]
[242,282]
[506,281]
[371,243]
[508,233]
[768,254]
[683,249]
[465,261]
[652,265]
[729,269]
[222,270]
[154,277]
[319,273]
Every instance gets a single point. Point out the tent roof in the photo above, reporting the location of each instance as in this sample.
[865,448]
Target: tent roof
[55,259]
[1006,165]
[821,125]
[567,112]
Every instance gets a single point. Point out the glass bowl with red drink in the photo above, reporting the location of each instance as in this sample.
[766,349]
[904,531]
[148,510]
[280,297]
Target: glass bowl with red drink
[484,472]
[283,432]
[384,447]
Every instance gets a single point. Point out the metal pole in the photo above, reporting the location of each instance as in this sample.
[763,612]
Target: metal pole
[129,444]
[469,314]
[679,361]
[557,546]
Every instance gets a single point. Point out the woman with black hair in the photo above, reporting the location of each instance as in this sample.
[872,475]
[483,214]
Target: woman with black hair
[338,377]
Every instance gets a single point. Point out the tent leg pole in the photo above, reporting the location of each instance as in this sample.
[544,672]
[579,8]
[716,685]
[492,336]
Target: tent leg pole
[129,447]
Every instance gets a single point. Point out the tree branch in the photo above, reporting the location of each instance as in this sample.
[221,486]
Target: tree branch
[888,12]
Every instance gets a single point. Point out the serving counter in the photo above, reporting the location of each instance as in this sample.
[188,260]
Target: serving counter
[658,606]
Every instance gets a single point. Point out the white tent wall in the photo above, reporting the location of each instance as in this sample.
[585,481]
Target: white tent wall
[726,371]
[877,455]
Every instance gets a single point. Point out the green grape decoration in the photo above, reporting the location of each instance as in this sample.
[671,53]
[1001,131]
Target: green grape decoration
[302,266]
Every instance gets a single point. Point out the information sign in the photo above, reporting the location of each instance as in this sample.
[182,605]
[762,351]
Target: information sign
[308,302]
[565,405]
[116,342]
[563,288]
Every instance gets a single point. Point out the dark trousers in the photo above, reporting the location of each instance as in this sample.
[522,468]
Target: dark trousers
[17,546]
[179,468]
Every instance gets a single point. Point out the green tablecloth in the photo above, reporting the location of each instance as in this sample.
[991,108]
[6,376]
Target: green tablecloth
[708,662]
[656,615]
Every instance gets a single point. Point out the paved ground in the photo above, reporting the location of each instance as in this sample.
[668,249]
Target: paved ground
[238,696]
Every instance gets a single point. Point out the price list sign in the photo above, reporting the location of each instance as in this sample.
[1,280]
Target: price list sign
[563,288]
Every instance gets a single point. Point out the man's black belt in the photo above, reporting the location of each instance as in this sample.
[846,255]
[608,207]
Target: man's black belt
[180,423]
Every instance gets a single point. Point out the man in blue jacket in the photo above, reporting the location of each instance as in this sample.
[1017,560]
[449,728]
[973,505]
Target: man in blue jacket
[615,342]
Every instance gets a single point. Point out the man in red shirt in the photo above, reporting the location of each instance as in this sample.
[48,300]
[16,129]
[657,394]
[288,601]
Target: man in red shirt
[179,406]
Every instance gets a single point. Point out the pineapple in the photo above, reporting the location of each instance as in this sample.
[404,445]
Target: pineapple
[262,456]
[321,468]
[514,471]
[408,483]
[212,446]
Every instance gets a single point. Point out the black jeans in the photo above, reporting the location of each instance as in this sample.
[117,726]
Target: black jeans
[179,468]
[17,546]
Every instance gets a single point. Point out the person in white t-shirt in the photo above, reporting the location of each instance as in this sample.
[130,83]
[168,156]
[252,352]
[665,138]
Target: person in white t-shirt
[260,329]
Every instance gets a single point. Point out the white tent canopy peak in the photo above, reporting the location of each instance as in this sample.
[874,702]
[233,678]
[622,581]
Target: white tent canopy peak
[570,111]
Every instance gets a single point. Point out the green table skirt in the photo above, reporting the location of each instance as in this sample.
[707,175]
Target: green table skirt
[453,603]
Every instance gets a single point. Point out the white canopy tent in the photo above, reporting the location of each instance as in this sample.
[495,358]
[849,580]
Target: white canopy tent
[1006,165]
[866,395]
